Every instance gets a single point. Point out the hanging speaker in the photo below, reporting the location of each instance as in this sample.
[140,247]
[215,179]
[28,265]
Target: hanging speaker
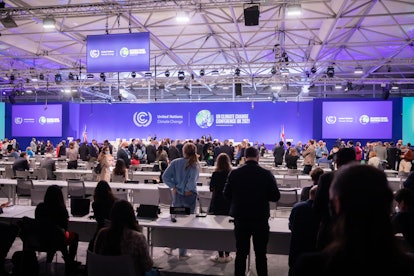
[238,89]
[251,15]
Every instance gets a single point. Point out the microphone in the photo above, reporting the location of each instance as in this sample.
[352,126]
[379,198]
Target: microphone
[201,213]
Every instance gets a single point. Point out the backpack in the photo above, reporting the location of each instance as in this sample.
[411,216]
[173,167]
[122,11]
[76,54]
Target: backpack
[97,169]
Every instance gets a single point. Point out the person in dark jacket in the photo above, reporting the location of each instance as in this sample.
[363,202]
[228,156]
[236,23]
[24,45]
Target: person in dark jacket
[21,163]
[84,151]
[279,153]
[218,205]
[249,190]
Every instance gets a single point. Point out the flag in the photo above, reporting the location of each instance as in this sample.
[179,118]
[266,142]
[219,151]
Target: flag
[85,136]
[282,133]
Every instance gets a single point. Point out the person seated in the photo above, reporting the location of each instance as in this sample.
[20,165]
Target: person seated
[135,160]
[50,165]
[52,211]
[12,153]
[374,160]
[124,237]
[30,152]
[8,233]
[324,160]
[403,220]
[120,169]
[314,174]
[363,242]
[21,163]
[406,161]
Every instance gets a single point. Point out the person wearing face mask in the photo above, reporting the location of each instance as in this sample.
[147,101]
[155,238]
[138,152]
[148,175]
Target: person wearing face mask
[105,159]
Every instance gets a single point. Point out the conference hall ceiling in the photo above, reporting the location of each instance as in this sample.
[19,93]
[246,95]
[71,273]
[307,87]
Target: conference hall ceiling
[333,49]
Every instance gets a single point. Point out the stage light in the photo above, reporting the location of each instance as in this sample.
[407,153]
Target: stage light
[394,86]
[330,72]
[284,72]
[49,23]
[358,70]
[167,73]
[202,72]
[58,78]
[277,87]
[293,10]
[41,76]
[102,76]
[12,78]
[237,72]
[313,70]
[133,74]
[182,17]
[148,75]
[70,76]
[273,71]
[338,86]
[181,75]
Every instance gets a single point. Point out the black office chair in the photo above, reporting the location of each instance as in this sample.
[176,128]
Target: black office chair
[23,188]
[76,188]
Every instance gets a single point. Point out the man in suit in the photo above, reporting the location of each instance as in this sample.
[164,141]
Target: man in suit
[249,190]
[50,165]
[21,163]
[151,152]
[227,149]
[124,154]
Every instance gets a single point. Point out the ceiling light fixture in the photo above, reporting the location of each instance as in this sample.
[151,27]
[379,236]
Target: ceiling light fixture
[70,76]
[277,87]
[237,72]
[133,74]
[167,73]
[49,23]
[358,70]
[182,17]
[8,22]
[148,75]
[58,78]
[394,86]
[284,72]
[338,86]
[330,72]
[294,10]
[102,76]
[273,71]
[202,72]
[181,75]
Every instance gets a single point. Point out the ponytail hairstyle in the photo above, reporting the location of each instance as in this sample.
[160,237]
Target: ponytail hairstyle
[190,153]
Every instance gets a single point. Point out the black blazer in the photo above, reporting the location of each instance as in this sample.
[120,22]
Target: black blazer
[249,189]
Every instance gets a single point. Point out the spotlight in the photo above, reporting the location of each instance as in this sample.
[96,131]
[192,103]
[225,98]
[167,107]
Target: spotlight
[202,72]
[41,76]
[182,17]
[70,76]
[167,73]
[330,72]
[133,74]
[12,78]
[284,72]
[58,78]
[394,86]
[148,75]
[349,86]
[49,23]
[358,70]
[181,75]
[102,76]
[237,72]
[338,86]
[313,70]
[273,71]
[294,10]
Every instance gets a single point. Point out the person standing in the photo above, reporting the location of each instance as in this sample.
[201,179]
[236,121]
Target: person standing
[249,190]
[181,176]
[218,205]
[106,160]
[309,157]
[124,154]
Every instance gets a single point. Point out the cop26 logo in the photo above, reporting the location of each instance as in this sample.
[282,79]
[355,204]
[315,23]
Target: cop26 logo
[142,119]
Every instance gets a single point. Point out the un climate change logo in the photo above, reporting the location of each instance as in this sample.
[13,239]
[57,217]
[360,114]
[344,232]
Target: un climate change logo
[330,120]
[42,120]
[364,119]
[94,53]
[204,119]
[124,52]
[18,120]
[142,119]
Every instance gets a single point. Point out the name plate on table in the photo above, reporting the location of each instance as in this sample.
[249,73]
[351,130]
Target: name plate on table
[179,210]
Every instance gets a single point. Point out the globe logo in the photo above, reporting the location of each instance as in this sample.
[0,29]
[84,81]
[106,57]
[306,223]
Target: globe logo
[204,119]
[142,119]
[124,52]
[364,119]
[42,120]
[18,120]
[94,53]
[330,120]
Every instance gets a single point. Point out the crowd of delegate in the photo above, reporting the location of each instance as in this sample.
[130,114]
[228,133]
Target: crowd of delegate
[324,238]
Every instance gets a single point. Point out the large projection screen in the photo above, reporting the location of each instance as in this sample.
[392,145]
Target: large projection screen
[37,120]
[357,120]
[118,53]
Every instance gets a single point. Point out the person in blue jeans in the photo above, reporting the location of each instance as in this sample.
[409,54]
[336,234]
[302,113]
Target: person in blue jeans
[181,176]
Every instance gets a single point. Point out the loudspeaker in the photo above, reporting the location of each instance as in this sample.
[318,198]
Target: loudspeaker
[11,99]
[251,15]
[385,94]
[238,89]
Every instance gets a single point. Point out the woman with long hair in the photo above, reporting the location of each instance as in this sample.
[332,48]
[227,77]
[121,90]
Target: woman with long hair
[218,205]
[181,176]
[363,241]
[105,160]
[120,169]
[52,211]
[123,237]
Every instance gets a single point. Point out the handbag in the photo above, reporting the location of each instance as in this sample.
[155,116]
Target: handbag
[97,169]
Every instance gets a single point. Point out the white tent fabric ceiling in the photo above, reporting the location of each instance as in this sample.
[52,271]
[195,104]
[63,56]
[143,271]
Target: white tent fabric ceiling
[292,54]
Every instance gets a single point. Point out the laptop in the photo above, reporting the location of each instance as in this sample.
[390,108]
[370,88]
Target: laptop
[148,212]
[79,207]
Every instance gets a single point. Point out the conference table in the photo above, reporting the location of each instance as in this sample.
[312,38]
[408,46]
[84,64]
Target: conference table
[192,232]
